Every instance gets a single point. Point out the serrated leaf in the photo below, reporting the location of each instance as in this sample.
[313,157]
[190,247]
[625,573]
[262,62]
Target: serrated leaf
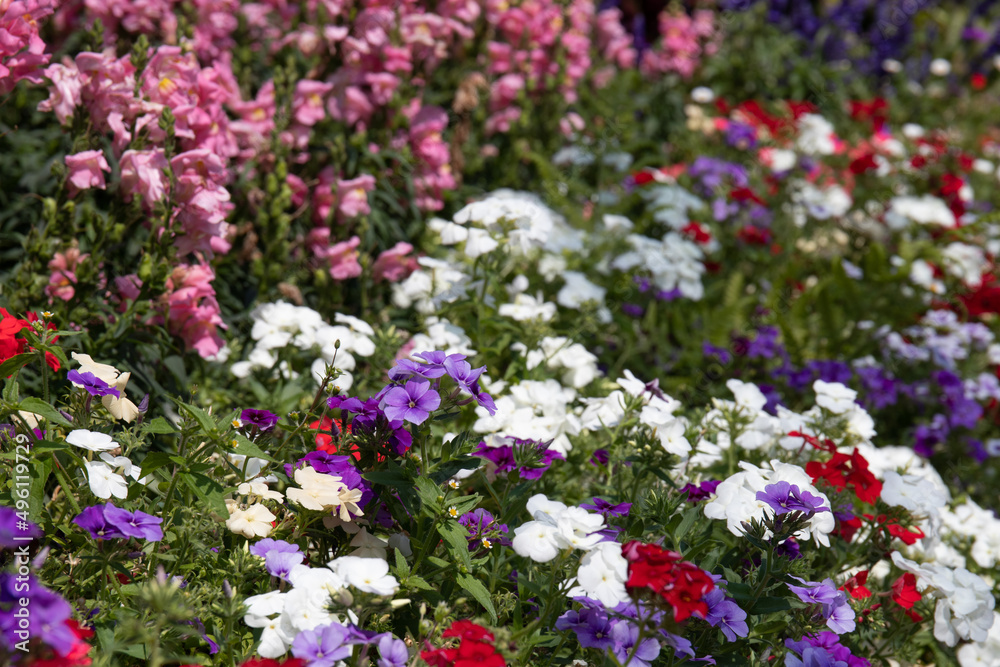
[418,582]
[402,567]
[159,426]
[429,493]
[203,418]
[477,590]
[40,407]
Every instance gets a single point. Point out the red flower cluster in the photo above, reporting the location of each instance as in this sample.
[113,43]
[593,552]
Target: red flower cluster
[843,470]
[476,648]
[681,584]
[11,344]
[848,527]
[77,656]
[855,586]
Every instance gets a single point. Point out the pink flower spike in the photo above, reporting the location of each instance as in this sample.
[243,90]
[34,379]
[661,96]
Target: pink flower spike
[86,170]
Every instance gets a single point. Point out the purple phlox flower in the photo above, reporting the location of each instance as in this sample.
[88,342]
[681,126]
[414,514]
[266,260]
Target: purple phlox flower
[347,403]
[356,635]
[625,636]
[643,283]
[392,652]
[928,435]
[723,208]
[813,657]
[482,525]
[15,531]
[263,547]
[322,646]
[134,524]
[831,371]
[765,344]
[47,613]
[591,625]
[437,357]
[280,563]
[789,549]
[606,508]
[682,647]
[213,648]
[94,385]
[484,400]
[783,497]
[406,369]
[542,465]
[720,353]
[633,310]
[698,492]
[600,457]
[669,295]
[839,615]
[502,457]
[92,519]
[725,614]
[262,419]
[740,135]
[462,372]
[413,402]
[831,643]
[815,592]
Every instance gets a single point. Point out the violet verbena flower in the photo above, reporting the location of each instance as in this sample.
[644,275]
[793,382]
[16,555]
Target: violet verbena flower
[591,625]
[464,375]
[135,524]
[725,614]
[262,419]
[15,531]
[92,520]
[783,497]
[607,509]
[413,402]
[94,385]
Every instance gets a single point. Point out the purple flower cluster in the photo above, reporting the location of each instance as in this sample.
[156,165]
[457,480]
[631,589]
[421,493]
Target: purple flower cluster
[724,613]
[711,173]
[47,613]
[94,385]
[823,650]
[783,497]
[606,509]
[279,556]
[105,522]
[326,645]
[412,397]
[10,534]
[262,420]
[483,526]
[370,421]
[503,457]
[833,603]
[595,629]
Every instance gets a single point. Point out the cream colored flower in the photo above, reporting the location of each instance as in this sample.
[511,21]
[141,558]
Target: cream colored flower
[121,408]
[255,521]
[258,487]
[324,492]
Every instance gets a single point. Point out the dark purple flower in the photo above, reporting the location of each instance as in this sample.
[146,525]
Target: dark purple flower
[720,353]
[15,531]
[92,519]
[607,509]
[699,492]
[789,549]
[643,283]
[669,295]
[600,457]
[94,385]
[482,525]
[783,497]
[47,613]
[633,310]
[739,135]
[262,419]
[134,524]
[591,625]
[413,402]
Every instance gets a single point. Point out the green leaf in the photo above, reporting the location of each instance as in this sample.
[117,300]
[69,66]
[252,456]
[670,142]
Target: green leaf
[478,591]
[456,537]
[159,426]
[769,605]
[402,567]
[771,627]
[393,478]
[40,407]
[418,582]
[207,490]
[429,493]
[43,468]
[690,517]
[449,468]
[153,461]
[15,363]
[246,447]
[203,418]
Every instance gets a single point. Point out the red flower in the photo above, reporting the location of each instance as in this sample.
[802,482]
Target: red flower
[468,630]
[77,656]
[904,534]
[904,591]
[978,81]
[745,194]
[440,657]
[697,233]
[876,111]
[754,235]
[864,163]
[478,654]
[681,584]
[855,586]
[843,470]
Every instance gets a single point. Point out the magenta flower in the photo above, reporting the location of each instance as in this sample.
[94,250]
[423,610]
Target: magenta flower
[264,420]
[413,402]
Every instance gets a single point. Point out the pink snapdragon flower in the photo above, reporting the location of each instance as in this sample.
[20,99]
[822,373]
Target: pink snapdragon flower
[393,264]
[142,174]
[343,259]
[22,51]
[352,196]
[64,93]
[308,102]
[193,311]
[62,281]
[86,170]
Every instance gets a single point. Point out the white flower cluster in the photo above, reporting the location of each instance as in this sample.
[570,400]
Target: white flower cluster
[925,210]
[578,365]
[425,289]
[736,501]
[280,324]
[283,615]
[518,220]
[671,204]
[441,334]
[107,477]
[674,262]
[819,203]
[556,526]
[969,521]
[532,410]
[964,601]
